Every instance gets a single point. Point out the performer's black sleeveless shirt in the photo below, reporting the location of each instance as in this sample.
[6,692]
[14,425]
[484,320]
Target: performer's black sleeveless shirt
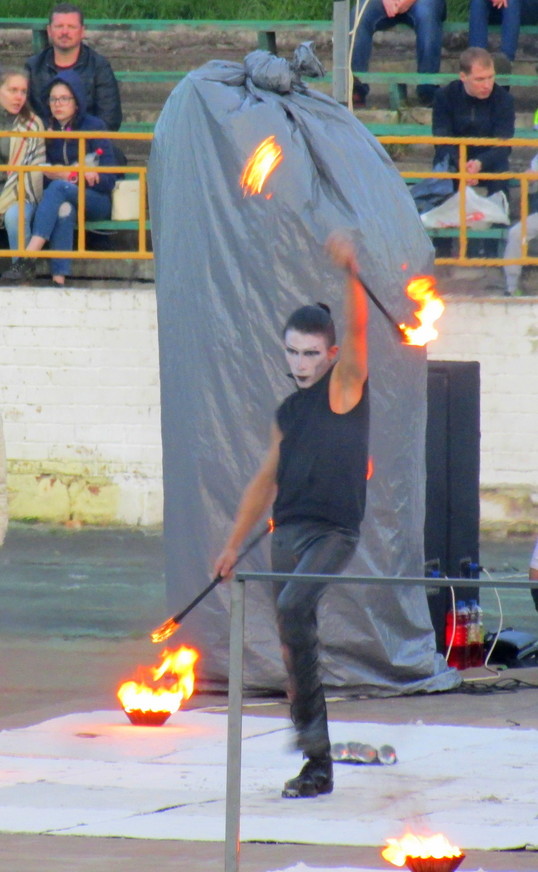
[323,460]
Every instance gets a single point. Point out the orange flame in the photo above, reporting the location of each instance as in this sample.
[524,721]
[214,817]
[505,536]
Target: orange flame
[436,846]
[142,696]
[422,290]
[370,468]
[261,163]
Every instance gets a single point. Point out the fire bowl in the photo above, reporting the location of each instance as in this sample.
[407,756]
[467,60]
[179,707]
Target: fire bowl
[433,864]
[147,719]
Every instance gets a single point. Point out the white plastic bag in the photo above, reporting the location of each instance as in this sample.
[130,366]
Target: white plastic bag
[480,212]
[126,200]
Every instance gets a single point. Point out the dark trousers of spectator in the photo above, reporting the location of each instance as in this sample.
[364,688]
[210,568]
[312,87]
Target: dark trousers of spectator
[425,17]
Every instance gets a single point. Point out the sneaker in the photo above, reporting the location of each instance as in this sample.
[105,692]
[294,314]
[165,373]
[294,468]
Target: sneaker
[23,270]
[315,777]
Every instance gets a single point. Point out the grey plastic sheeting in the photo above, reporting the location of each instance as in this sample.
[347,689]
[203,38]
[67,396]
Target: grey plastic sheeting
[229,270]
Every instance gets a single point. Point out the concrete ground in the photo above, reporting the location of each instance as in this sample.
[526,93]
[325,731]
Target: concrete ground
[68,639]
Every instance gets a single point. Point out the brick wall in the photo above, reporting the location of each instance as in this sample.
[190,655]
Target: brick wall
[80,400]
[502,334]
[79,396]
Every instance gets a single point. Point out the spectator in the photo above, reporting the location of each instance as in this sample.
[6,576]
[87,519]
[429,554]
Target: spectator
[474,106]
[533,574]
[15,114]
[507,13]
[67,52]
[55,216]
[512,272]
[424,16]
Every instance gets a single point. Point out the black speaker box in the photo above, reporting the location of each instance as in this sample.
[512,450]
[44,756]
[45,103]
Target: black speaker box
[451,530]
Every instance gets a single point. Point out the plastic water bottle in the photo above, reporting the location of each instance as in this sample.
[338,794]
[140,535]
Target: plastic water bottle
[459,653]
[91,160]
[476,634]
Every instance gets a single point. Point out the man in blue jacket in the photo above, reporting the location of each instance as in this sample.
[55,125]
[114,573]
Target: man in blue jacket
[67,52]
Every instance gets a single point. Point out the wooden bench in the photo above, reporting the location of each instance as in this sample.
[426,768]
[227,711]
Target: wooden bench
[398,129]
[398,82]
[267,31]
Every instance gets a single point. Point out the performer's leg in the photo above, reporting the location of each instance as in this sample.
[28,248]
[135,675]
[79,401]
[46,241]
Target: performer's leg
[311,548]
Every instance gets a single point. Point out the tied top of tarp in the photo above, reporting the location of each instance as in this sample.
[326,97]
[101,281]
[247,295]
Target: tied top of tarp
[267,71]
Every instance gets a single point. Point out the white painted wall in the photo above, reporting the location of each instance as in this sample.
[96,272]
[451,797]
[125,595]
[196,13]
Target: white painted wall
[502,334]
[80,393]
[79,396]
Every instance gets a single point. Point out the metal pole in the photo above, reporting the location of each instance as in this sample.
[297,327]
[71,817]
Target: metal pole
[392,581]
[340,50]
[235,707]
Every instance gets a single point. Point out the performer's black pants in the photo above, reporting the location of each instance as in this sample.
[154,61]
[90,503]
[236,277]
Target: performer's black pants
[311,547]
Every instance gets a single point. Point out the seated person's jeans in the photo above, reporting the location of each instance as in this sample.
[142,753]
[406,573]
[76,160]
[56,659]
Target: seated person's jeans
[425,17]
[11,223]
[482,13]
[56,215]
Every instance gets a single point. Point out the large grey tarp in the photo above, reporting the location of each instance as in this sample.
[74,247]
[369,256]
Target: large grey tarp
[229,270]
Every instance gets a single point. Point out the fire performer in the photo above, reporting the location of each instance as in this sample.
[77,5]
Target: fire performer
[315,472]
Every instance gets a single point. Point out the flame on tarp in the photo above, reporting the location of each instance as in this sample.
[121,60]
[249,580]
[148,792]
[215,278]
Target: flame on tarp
[422,290]
[176,672]
[261,163]
[427,852]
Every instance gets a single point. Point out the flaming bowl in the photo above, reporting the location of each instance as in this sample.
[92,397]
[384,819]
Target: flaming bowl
[148,719]
[433,864]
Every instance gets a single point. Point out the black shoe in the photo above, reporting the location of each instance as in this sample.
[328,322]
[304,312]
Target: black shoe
[23,270]
[315,777]
[360,93]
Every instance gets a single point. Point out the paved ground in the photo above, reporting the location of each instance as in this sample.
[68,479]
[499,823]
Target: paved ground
[75,610]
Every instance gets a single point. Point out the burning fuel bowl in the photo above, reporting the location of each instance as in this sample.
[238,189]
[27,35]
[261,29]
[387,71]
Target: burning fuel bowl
[423,853]
[147,719]
[433,864]
[160,693]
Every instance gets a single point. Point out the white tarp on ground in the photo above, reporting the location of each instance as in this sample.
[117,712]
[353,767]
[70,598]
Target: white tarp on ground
[94,774]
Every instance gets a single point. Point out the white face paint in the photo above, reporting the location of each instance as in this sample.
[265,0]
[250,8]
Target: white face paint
[308,356]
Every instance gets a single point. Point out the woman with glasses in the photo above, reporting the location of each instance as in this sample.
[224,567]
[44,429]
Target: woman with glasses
[56,214]
[15,115]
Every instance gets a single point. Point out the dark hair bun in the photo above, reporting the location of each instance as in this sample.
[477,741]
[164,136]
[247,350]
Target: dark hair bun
[325,307]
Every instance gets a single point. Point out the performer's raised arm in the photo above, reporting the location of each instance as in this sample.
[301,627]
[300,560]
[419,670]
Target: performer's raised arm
[351,370]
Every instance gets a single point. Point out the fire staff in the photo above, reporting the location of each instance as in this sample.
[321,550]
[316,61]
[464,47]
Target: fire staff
[314,473]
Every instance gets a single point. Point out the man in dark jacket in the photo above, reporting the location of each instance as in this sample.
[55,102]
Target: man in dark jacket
[474,106]
[67,52]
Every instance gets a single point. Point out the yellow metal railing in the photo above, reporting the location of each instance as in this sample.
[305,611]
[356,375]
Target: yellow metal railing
[81,251]
[461,176]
